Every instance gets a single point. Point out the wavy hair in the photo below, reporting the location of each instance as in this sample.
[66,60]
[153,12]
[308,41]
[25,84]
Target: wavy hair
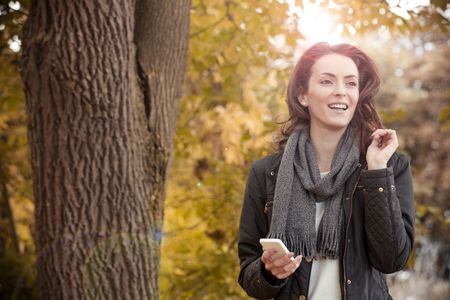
[365,119]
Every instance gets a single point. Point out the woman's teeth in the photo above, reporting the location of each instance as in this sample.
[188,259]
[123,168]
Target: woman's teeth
[338,106]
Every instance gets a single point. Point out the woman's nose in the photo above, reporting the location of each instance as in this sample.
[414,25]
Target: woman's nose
[339,89]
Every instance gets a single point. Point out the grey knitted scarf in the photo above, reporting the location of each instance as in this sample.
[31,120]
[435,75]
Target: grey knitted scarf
[299,186]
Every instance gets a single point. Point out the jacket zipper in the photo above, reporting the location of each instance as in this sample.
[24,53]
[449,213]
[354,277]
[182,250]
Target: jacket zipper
[346,232]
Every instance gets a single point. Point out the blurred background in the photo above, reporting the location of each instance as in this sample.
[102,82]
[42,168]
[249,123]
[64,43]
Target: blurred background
[240,55]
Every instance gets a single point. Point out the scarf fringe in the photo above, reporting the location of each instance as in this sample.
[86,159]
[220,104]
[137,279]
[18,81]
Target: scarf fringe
[300,245]
[328,242]
[326,246]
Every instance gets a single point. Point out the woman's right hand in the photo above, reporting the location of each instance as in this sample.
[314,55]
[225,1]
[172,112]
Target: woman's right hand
[281,267]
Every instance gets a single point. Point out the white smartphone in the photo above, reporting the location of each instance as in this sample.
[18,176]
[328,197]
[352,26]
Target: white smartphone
[275,244]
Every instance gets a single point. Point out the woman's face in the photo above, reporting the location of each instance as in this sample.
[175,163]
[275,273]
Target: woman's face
[333,92]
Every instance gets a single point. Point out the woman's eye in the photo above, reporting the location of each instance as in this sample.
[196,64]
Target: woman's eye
[352,83]
[326,82]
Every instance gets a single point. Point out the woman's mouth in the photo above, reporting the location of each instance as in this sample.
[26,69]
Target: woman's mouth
[338,106]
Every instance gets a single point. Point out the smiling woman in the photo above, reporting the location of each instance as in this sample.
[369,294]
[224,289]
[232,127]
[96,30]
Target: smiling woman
[332,93]
[340,74]
[337,194]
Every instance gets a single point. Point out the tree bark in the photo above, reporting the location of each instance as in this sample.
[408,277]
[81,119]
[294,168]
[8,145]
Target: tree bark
[102,93]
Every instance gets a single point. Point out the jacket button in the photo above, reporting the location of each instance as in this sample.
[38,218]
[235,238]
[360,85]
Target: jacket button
[302,297]
[349,281]
[309,258]
[380,189]
[347,198]
[272,173]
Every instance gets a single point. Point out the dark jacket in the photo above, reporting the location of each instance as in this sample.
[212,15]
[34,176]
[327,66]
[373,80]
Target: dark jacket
[377,236]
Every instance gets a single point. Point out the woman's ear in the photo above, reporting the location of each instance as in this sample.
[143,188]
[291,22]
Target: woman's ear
[303,101]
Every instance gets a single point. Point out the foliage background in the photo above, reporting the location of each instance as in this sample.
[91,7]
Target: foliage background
[240,57]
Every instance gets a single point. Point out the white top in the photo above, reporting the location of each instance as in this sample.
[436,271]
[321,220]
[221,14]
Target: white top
[324,281]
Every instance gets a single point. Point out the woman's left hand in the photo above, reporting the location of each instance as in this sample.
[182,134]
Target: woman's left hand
[384,143]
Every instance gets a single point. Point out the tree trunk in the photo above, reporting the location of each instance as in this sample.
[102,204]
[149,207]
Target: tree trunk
[102,93]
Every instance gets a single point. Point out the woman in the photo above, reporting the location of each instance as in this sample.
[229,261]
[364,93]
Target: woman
[337,195]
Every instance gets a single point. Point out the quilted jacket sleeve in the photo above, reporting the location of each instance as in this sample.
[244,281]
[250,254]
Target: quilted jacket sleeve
[253,276]
[389,214]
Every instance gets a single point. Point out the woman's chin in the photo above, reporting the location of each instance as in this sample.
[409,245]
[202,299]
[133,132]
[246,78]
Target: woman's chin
[335,126]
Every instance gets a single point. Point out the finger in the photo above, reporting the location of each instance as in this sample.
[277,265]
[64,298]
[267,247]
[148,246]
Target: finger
[383,132]
[390,139]
[284,260]
[388,134]
[380,131]
[379,135]
[297,261]
[267,258]
[269,266]
[267,255]
[290,269]
[376,139]
[390,147]
[393,136]
[292,265]
[382,139]
[280,273]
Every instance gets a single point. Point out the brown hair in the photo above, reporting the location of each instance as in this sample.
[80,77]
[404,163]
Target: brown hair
[365,119]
